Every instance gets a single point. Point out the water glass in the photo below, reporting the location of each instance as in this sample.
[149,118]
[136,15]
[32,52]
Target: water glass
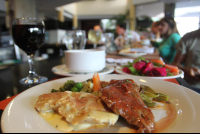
[75,39]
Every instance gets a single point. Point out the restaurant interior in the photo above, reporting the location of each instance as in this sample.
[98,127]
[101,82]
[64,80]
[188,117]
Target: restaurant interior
[53,60]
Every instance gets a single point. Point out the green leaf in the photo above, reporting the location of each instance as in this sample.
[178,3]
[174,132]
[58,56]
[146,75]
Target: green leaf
[132,69]
[139,59]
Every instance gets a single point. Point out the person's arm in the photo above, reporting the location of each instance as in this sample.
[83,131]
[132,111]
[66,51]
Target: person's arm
[190,72]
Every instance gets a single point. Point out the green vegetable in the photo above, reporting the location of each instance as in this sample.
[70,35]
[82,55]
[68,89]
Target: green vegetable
[77,87]
[129,64]
[147,101]
[161,97]
[138,73]
[145,98]
[150,95]
[132,69]
[89,80]
[152,104]
[147,88]
[54,90]
[169,74]
[157,64]
[139,59]
[67,86]
[87,87]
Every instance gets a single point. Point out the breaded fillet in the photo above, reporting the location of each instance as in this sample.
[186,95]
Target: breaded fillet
[76,107]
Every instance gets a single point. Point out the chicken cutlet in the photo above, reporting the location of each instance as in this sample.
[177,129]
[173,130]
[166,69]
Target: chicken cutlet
[122,96]
[77,107]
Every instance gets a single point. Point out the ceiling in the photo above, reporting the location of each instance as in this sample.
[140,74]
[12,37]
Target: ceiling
[48,6]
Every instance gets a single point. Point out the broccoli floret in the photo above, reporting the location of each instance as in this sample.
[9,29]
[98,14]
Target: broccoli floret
[77,88]
[79,85]
[54,90]
[67,86]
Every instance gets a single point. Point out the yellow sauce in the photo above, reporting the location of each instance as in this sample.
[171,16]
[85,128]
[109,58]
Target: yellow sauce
[121,126]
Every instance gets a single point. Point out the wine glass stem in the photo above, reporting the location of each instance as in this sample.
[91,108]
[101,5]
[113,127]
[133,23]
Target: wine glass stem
[31,64]
[95,46]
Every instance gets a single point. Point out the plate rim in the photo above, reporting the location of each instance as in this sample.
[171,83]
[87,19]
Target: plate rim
[184,89]
[111,69]
[133,55]
[167,77]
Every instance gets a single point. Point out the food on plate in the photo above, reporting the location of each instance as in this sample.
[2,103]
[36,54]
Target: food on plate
[153,68]
[124,99]
[157,61]
[173,69]
[136,45]
[78,108]
[96,82]
[125,50]
[100,104]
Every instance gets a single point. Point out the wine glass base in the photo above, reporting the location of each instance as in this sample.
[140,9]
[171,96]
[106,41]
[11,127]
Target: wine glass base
[33,80]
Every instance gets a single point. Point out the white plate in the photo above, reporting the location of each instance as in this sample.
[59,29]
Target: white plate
[20,116]
[63,71]
[118,69]
[144,50]
[134,55]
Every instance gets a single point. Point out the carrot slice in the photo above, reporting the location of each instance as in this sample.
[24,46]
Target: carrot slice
[96,82]
[173,69]
[158,61]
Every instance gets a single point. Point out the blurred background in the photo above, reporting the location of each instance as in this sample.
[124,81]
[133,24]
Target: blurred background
[62,15]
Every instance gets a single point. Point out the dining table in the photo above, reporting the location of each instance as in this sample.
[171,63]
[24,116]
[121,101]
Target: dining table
[10,75]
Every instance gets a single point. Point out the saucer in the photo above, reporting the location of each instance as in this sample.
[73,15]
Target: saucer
[63,71]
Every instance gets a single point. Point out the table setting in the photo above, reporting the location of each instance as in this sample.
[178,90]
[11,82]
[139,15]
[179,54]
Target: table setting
[24,102]
[89,91]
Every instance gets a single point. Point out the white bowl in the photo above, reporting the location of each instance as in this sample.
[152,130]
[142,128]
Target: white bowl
[87,60]
[146,42]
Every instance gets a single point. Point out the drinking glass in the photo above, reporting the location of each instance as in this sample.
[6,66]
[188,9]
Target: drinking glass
[94,36]
[29,35]
[75,39]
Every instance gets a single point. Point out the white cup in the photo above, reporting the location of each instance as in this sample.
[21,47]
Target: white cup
[146,42]
[84,61]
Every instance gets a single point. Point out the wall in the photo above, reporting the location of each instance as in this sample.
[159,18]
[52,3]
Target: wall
[25,8]
[102,7]
[135,2]
[70,8]
[152,10]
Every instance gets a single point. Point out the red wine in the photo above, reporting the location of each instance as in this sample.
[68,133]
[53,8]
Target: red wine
[28,37]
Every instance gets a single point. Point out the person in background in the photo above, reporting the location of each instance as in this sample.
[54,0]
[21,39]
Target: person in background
[188,58]
[155,29]
[170,37]
[154,32]
[98,27]
[122,33]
